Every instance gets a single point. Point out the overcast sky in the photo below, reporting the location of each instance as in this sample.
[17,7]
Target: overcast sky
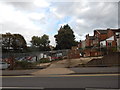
[38,17]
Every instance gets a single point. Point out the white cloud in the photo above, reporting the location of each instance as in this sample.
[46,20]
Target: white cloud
[80,21]
[41,3]
[36,16]
[52,40]
[16,21]
[54,12]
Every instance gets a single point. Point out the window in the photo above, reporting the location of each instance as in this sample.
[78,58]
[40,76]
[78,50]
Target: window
[109,44]
[118,36]
[101,44]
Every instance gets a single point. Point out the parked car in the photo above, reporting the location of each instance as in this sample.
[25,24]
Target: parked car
[54,58]
[4,65]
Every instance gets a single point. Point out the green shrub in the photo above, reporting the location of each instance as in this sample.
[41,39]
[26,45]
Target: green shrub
[44,60]
[24,64]
[114,49]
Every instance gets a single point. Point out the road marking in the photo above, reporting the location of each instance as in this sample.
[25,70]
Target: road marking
[75,75]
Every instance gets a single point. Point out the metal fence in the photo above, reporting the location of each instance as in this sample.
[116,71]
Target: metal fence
[38,54]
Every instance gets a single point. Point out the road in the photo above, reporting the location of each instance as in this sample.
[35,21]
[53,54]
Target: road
[63,81]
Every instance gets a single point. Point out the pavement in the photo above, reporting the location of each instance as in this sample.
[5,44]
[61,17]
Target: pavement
[17,72]
[95,70]
[61,71]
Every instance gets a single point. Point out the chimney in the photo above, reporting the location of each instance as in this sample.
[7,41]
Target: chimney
[87,35]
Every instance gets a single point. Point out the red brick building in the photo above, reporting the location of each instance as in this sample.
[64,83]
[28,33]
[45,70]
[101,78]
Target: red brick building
[99,35]
[109,38]
[115,33]
[89,40]
[113,36]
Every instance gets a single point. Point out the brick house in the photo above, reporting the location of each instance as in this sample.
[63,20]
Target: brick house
[89,40]
[109,38]
[113,39]
[115,33]
[93,42]
[109,42]
[99,35]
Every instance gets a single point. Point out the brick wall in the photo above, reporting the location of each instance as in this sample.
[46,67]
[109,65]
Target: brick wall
[72,54]
[91,53]
[89,42]
[103,37]
[97,38]
[110,33]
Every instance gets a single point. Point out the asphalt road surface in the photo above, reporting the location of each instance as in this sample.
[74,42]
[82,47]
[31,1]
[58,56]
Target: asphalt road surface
[63,81]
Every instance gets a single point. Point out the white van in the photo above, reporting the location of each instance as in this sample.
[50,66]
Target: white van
[4,65]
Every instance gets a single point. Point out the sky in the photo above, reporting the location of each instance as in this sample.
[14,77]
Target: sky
[37,17]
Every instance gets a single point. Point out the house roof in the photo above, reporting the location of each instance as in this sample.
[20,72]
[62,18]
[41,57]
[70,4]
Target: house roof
[102,31]
[116,30]
[91,37]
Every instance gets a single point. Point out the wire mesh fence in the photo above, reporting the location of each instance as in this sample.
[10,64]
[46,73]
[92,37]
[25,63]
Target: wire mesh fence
[40,54]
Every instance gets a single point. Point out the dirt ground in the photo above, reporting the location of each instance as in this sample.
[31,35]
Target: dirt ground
[72,62]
